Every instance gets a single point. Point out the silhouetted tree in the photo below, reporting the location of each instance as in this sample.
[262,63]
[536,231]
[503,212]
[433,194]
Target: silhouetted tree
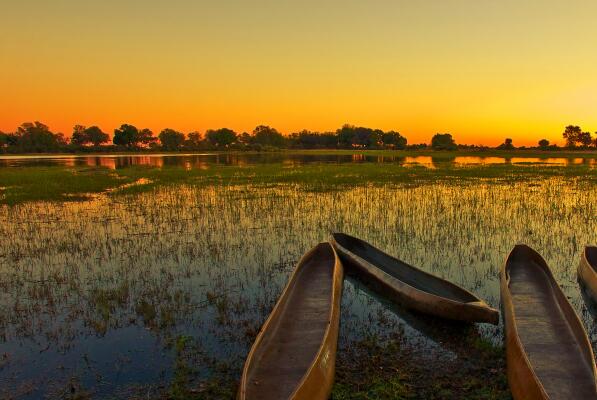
[146,138]
[394,140]
[194,141]
[96,136]
[595,140]
[79,138]
[346,135]
[130,136]
[245,138]
[507,145]
[223,137]
[311,140]
[443,141]
[585,139]
[36,137]
[171,140]
[126,135]
[266,136]
[3,141]
[572,134]
[93,135]
[543,144]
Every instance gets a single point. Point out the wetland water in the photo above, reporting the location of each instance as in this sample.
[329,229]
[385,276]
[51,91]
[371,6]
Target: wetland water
[137,294]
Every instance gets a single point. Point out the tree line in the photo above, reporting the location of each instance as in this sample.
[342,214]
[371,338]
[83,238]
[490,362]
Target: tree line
[36,137]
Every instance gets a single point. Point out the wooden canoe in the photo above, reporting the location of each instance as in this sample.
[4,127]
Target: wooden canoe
[548,353]
[409,286]
[294,354]
[587,272]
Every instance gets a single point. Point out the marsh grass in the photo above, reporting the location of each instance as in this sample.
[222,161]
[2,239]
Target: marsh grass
[70,183]
[158,290]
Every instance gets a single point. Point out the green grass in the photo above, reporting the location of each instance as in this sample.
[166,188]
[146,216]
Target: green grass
[23,184]
[19,185]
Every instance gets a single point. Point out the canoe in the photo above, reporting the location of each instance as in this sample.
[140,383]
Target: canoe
[410,287]
[294,354]
[548,353]
[587,272]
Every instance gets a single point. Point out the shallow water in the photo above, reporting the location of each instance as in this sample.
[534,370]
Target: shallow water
[108,294]
[190,161]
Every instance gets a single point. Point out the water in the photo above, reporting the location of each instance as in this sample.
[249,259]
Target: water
[121,295]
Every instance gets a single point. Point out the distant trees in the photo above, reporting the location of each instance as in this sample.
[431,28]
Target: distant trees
[35,137]
[576,137]
[222,137]
[507,145]
[129,136]
[543,144]
[93,135]
[393,140]
[358,136]
[313,140]
[171,140]
[266,136]
[443,141]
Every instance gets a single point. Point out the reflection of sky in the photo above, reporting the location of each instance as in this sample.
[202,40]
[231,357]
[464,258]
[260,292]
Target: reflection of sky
[212,261]
[202,161]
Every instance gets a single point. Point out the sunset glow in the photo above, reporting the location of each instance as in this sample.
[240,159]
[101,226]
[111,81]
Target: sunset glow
[480,70]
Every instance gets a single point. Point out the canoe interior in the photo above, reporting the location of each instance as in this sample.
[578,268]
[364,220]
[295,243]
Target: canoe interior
[545,331]
[591,255]
[291,344]
[402,271]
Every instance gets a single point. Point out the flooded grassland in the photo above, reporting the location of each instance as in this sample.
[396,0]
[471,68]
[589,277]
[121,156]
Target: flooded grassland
[151,281]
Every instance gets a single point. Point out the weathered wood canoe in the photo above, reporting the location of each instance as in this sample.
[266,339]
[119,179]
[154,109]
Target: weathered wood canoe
[587,272]
[294,354]
[548,353]
[409,286]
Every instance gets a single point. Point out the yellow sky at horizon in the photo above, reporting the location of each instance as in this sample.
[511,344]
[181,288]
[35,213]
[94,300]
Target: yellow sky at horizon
[480,70]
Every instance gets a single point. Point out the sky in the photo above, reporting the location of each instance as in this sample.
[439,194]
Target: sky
[481,70]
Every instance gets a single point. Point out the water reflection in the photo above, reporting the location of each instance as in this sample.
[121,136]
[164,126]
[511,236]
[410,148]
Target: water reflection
[105,290]
[203,161]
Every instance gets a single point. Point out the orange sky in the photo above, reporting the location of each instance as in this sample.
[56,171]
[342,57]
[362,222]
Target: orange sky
[479,69]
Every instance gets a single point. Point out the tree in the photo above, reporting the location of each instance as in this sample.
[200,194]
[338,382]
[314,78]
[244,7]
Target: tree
[79,138]
[3,141]
[394,140]
[266,136]
[572,135]
[585,139]
[221,137]
[543,144]
[171,139]
[83,136]
[595,140]
[245,138]
[96,136]
[130,136]
[346,135]
[37,137]
[194,140]
[126,135]
[146,138]
[443,141]
[507,145]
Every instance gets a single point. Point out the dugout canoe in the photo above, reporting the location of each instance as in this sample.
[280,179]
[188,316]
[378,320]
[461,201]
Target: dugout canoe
[294,354]
[409,286]
[548,353]
[587,272]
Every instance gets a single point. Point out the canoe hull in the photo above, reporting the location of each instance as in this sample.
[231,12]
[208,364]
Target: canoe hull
[318,378]
[412,298]
[587,275]
[522,378]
